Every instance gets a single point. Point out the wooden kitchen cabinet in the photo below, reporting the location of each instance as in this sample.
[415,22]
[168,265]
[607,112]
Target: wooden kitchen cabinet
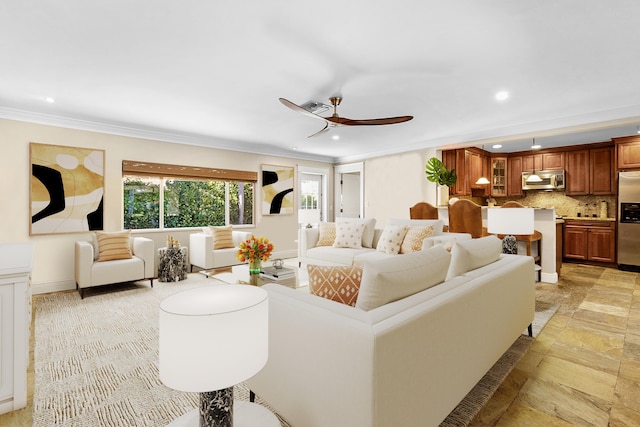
[589,240]
[628,151]
[498,177]
[514,174]
[532,163]
[601,171]
[470,165]
[577,173]
[553,161]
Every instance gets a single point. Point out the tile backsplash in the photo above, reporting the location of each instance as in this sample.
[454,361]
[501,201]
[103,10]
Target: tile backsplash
[564,205]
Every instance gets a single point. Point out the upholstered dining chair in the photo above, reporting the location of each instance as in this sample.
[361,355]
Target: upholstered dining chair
[423,210]
[465,216]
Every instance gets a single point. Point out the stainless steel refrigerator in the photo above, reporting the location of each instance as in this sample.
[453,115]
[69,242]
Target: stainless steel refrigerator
[629,221]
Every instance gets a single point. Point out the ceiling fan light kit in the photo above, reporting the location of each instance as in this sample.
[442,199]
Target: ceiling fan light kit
[335,120]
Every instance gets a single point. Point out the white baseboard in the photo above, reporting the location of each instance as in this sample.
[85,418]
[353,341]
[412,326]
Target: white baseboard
[549,277]
[48,287]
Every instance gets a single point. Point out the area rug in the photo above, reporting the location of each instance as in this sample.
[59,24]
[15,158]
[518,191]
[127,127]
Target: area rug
[96,360]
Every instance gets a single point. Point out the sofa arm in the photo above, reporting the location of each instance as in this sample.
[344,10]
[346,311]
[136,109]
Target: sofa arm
[144,248]
[307,239]
[83,263]
[201,250]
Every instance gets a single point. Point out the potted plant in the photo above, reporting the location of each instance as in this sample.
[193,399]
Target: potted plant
[437,172]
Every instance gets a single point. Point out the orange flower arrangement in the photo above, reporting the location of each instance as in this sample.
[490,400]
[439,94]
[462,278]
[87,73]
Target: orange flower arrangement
[255,248]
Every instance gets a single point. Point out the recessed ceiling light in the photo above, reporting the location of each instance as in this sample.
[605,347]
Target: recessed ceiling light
[502,95]
[49,99]
[335,137]
[294,148]
[496,146]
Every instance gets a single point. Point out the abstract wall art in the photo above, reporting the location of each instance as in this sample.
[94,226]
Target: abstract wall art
[67,189]
[277,190]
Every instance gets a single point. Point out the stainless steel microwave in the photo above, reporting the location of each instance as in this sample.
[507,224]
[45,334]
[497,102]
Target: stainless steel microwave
[546,180]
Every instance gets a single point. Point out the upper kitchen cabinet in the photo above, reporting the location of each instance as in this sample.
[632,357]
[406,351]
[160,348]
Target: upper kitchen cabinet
[498,176]
[470,164]
[601,176]
[552,161]
[531,163]
[589,171]
[514,175]
[628,152]
[577,173]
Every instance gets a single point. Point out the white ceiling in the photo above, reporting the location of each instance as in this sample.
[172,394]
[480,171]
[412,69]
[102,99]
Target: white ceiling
[211,72]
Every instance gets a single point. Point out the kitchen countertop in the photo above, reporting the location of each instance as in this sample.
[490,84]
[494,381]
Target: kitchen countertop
[583,218]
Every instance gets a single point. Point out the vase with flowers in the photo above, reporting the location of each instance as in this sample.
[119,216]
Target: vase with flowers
[254,250]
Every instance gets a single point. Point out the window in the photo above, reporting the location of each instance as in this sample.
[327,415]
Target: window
[153,200]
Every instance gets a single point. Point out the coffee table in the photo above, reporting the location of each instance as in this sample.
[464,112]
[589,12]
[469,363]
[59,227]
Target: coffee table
[240,274]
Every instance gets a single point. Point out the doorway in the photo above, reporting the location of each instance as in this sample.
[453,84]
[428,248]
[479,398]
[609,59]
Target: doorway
[349,192]
[312,205]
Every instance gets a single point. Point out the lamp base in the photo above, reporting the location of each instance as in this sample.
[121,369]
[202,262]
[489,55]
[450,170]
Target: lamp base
[216,408]
[509,245]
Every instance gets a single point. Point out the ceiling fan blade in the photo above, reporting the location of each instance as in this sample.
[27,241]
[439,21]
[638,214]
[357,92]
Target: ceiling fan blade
[321,131]
[299,109]
[372,122]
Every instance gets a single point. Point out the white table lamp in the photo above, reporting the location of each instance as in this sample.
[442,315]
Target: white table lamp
[212,338]
[510,221]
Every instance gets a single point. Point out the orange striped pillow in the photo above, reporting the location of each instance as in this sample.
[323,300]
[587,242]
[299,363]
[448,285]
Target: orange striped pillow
[113,245]
[222,236]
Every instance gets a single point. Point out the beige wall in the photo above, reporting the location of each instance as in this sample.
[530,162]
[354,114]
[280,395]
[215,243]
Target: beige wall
[392,184]
[53,267]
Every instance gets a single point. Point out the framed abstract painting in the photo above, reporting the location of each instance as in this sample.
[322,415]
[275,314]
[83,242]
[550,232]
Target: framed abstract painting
[277,190]
[67,189]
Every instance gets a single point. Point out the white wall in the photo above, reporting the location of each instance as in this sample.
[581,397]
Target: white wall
[53,267]
[392,184]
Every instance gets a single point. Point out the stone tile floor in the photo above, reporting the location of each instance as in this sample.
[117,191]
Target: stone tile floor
[584,367]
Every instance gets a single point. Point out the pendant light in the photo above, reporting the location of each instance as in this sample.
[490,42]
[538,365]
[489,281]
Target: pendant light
[482,180]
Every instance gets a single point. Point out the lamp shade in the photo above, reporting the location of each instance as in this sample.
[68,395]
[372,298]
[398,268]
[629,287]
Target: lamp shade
[213,337]
[510,220]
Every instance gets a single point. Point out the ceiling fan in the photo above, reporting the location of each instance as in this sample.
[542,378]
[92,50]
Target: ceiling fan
[335,120]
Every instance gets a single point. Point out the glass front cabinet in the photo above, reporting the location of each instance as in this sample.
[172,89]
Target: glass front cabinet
[499,176]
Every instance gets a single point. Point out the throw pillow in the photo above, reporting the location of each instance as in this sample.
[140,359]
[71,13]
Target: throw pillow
[348,235]
[327,234]
[113,245]
[369,229]
[438,224]
[391,239]
[338,284]
[222,237]
[467,255]
[413,239]
[398,277]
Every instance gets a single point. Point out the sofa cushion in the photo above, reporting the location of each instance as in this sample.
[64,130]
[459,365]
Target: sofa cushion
[338,284]
[369,229]
[113,245]
[392,238]
[222,236]
[413,239]
[437,224]
[331,255]
[348,235]
[467,255]
[397,277]
[327,234]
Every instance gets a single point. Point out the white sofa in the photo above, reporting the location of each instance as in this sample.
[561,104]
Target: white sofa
[90,272]
[309,253]
[202,254]
[406,363]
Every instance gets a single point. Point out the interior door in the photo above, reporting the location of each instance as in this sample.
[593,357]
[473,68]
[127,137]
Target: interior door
[349,181]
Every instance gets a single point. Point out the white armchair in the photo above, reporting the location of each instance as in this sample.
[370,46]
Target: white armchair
[202,254]
[90,272]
